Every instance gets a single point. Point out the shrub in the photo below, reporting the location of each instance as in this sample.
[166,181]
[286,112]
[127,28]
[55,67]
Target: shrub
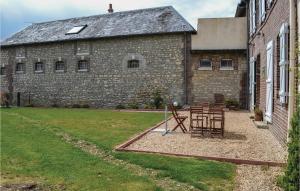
[29,105]
[85,106]
[231,102]
[75,106]
[4,99]
[290,180]
[120,106]
[149,106]
[157,100]
[257,111]
[54,105]
[133,106]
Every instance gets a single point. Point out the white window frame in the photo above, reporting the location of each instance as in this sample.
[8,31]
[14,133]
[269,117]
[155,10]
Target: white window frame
[76,29]
[23,69]
[41,70]
[83,69]
[226,68]
[202,67]
[283,63]
[59,70]
[262,10]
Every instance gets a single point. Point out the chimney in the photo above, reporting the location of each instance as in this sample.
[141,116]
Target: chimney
[110,9]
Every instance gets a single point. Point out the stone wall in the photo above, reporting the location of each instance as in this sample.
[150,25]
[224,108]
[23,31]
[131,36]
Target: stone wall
[231,83]
[108,81]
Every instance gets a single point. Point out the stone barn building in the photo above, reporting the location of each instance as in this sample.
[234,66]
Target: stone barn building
[101,61]
[219,60]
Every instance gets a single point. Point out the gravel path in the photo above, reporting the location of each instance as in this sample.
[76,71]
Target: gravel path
[257,178]
[242,140]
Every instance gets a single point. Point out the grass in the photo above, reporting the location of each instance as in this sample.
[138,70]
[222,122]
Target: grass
[105,128]
[31,150]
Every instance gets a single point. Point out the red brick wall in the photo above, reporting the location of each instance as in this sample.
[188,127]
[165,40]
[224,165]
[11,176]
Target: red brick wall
[269,30]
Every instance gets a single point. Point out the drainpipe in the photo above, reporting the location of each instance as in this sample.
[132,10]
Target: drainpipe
[248,57]
[293,57]
[185,69]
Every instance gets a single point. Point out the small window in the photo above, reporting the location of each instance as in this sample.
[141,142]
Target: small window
[59,66]
[20,67]
[82,65]
[226,64]
[133,64]
[39,67]
[76,29]
[205,64]
[3,70]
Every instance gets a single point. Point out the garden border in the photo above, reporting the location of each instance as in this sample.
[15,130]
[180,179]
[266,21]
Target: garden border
[123,148]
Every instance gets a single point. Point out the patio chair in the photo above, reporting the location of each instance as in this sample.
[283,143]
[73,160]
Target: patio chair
[217,117]
[199,119]
[178,118]
[219,99]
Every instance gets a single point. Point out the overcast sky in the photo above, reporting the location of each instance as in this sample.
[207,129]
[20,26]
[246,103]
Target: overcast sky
[17,14]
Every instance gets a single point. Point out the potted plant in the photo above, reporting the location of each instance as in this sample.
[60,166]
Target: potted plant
[258,114]
[232,104]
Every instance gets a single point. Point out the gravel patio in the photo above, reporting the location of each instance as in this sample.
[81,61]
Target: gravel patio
[242,140]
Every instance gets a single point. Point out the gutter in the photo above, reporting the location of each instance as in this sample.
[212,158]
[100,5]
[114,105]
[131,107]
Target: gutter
[293,57]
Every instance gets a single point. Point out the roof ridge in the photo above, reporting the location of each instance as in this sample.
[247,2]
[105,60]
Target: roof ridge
[106,14]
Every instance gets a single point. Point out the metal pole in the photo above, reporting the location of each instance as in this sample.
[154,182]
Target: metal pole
[166,121]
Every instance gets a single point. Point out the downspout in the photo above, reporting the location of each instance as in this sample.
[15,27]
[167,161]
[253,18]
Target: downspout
[185,69]
[292,64]
[248,57]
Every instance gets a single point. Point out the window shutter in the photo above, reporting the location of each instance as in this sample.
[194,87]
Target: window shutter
[253,16]
[283,63]
[262,9]
[250,16]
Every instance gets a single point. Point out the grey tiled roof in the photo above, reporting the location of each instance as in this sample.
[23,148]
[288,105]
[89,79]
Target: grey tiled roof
[136,22]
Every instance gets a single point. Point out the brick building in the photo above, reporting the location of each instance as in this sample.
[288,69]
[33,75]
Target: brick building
[271,46]
[101,61]
[219,60]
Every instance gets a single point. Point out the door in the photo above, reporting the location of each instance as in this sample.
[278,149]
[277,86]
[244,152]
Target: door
[18,99]
[252,83]
[269,83]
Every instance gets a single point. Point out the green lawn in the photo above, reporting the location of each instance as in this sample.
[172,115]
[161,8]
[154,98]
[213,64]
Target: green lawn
[31,150]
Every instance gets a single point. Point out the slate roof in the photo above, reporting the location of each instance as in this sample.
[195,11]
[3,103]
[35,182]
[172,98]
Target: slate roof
[136,22]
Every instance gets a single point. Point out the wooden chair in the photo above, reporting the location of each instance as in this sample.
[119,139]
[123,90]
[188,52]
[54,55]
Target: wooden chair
[217,117]
[198,120]
[219,99]
[178,118]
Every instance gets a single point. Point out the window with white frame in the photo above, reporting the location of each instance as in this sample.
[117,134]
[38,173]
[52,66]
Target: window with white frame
[82,66]
[226,64]
[205,64]
[262,10]
[39,67]
[20,67]
[59,66]
[252,16]
[283,63]
[133,63]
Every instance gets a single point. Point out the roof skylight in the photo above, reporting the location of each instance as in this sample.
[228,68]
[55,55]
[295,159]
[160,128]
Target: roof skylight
[76,29]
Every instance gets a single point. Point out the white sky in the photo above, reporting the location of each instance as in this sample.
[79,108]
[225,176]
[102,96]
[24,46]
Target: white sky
[16,14]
